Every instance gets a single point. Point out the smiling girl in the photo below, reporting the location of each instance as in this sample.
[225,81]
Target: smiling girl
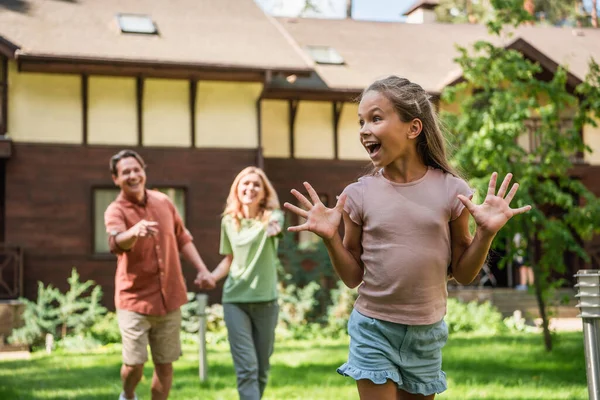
[406,228]
[251,224]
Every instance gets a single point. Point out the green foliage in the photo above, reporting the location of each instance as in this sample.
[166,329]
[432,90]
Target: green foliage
[473,317]
[507,98]
[106,329]
[547,12]
[78,343]
[338,313]
[190,321]
[74,312]
[39,317]
[295,304]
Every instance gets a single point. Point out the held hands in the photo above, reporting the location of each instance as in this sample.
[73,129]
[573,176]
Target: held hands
[205,280]
[320,220]
[495,210]
[145,228]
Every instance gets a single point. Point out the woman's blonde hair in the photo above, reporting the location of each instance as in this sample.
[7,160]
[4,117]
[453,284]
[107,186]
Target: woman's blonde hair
[267,205]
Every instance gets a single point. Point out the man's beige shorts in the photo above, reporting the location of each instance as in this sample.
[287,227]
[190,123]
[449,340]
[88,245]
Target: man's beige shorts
[161,332]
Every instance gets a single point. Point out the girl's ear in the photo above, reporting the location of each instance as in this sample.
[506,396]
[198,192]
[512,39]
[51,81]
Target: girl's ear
[416,126]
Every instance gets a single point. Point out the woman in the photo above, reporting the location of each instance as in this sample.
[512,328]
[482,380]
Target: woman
[251,224]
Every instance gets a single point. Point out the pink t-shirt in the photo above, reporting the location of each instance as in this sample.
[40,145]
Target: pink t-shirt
[405,244]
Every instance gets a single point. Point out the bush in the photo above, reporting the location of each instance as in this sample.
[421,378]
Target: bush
[106,329]
[73,312]
[338,313]
[78,343]
[294,305]
[473,317]
[190,321]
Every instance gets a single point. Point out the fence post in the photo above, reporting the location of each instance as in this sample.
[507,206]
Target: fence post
[202,368]
[588,292]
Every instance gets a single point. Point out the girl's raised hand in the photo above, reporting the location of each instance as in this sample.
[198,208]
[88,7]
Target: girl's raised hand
[319,219]
[495,210]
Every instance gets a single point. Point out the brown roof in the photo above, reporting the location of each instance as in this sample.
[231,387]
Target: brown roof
[424,53]
[426,4]
[223,33]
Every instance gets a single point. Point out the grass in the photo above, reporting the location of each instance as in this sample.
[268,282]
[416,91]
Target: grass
[514,367]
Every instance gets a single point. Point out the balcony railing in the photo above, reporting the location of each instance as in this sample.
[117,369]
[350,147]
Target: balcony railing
[533,126]
[11,272]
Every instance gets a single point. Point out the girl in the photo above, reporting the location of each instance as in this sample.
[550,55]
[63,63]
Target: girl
[405,226]
[251,222]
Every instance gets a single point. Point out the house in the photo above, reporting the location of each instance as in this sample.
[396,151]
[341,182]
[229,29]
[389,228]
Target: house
[201,89]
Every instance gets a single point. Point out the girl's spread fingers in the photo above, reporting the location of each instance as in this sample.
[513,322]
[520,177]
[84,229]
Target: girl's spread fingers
[312,193]
[296,210]
[301,198]
[492,185]
[511,194]
[298,228]
[504,186]
[521,210]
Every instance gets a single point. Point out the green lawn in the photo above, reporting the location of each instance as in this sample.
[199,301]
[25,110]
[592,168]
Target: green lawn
[509,367]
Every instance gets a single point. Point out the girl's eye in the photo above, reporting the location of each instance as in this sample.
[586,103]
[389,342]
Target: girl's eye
[361,122]
[376,118]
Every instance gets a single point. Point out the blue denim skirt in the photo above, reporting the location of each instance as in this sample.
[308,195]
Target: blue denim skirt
[409,355]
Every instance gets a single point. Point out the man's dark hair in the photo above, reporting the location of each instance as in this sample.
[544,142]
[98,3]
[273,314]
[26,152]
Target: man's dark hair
[121,155]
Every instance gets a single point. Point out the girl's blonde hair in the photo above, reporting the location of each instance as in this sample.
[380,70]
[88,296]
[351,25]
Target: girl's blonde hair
[411,101]
[267,205]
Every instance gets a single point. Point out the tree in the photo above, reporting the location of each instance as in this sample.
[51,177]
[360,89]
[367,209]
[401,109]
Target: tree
[553,12]
[507,96]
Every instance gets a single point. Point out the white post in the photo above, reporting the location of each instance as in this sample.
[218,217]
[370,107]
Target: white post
[202,368]
[588,284]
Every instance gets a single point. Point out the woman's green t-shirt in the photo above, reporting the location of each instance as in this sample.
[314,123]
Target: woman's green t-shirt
[253,273]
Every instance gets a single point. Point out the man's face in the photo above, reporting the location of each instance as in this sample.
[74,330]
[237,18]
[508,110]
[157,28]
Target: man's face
[131,178]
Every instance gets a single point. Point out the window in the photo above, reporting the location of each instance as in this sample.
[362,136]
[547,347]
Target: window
[306,239]
[133,23]
[104,196]
[531,139]
[325,55]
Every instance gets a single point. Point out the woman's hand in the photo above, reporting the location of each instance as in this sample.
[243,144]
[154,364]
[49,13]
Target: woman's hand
[495,210]
[319,219]
[273,228]
[205,280]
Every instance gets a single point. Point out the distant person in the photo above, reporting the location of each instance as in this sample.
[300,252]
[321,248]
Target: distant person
[522,263]
[405,224]
[147,234]
[250,231]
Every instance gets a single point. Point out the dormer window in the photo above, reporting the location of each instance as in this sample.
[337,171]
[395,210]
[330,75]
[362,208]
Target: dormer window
[325,55]
[137,23]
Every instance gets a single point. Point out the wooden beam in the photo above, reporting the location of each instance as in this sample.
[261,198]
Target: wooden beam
[311,95]
[193,96]
[3,95]
[337,111]
[293,108]
[149,69]
[140,109]
[7,48]
[84,108]
[260,159]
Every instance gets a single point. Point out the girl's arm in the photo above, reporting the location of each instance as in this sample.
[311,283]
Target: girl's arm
[223,268]
[325,222]
[345,255]
[468,255]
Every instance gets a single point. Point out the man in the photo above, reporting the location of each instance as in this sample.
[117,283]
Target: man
[147,234]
